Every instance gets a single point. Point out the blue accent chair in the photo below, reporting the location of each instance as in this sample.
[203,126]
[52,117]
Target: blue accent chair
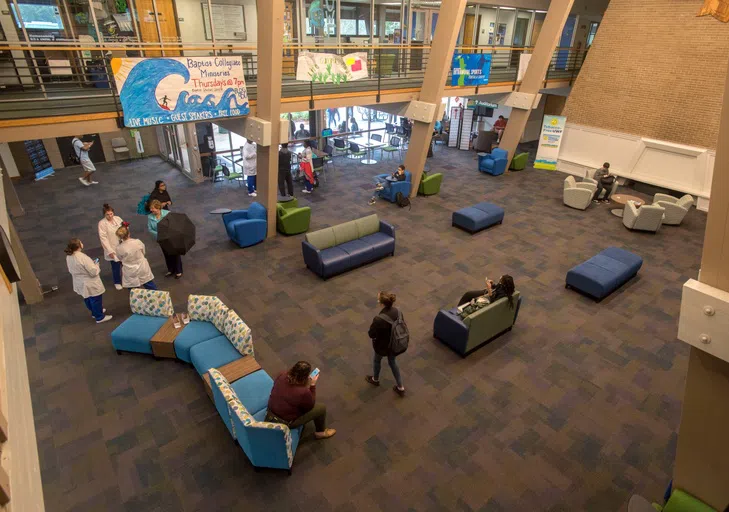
[150,311]
[390,192]
[604,273]
[493,163]
[242,406]
[247,227]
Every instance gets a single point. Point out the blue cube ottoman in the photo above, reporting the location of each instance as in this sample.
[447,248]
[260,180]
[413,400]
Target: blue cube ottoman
[477,217]
[604,273]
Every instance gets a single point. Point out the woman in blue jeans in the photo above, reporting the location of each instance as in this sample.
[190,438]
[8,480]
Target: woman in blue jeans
[379,333]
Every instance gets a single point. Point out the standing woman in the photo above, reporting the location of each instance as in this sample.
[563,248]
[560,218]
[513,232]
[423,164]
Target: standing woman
[131,252]
[173,261]
[86,280]
[160,194]
[380,333]
[249,166]
[306,158]
[109,241]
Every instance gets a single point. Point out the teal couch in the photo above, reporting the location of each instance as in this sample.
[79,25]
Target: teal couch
[467,334]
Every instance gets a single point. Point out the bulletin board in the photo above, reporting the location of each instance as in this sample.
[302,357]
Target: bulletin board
[229,20]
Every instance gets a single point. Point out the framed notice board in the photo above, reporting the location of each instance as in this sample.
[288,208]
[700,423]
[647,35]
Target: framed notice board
[229,20]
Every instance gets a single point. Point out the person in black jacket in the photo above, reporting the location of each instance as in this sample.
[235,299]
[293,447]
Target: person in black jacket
[504,288]
[160,194]
[379,333]
[284,171]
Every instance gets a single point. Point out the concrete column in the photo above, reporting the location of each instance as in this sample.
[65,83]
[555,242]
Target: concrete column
[268,104]
[549,36]
[11,197]
[28,284]
[436,72]
[702,454]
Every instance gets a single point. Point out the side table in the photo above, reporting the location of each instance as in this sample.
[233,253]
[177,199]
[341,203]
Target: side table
[233,371]
[623,200]
[163,341]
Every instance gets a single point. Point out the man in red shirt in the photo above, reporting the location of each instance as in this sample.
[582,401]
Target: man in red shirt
[293,401]
[499,127]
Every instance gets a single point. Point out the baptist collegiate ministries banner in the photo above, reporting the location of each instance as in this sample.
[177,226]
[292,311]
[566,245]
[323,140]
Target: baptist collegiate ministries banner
[179,89]
[549,142]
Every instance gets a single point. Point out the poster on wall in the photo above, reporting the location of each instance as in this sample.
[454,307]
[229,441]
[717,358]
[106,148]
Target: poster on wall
[323,68]
[38,157]
[471,69]
[179,89]
[549,142]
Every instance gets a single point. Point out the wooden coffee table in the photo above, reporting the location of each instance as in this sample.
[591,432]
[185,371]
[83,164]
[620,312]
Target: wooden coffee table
[623,199]
[163,341]
[233,371]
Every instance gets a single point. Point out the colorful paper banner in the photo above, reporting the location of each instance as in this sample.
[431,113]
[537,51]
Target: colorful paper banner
[323,68]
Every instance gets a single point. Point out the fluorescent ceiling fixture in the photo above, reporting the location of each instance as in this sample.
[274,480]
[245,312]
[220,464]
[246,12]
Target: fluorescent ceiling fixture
[543,12]
[508,8]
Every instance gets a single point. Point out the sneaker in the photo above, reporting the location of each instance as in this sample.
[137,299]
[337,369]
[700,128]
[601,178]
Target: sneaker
[105,319]
[252,194]
[168,274]
[118,287]
[94,182]
[399,391]
[372,380]
[326,434]
[103,311]
[84,182]
[595,200]
[372,201]
[379,187]
[178,276]
[306,191]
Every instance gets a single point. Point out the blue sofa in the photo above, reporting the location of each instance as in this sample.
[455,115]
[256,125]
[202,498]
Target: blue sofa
[604,273]
[247,227]
[242,406]
[216,336]
[464,335]
[477,217]
[493,163]
[390,192]
[334,250]
[150,311]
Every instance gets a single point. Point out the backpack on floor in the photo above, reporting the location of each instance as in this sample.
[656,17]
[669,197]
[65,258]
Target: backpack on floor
[142,206]
[73,156]
[399,334]
[402,200]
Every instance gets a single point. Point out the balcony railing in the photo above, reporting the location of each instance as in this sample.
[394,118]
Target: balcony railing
[67,78]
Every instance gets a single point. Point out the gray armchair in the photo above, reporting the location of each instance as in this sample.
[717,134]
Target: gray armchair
[676,209]
[578,195]
[645,218]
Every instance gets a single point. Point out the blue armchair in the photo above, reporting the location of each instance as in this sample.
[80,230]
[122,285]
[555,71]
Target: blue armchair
[247,227]
[493,163]
[390,192]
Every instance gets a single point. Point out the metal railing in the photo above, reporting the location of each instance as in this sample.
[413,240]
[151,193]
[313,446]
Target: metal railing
[65,79]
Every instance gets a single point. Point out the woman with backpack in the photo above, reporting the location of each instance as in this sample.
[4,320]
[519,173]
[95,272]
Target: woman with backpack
[160,194]
[381,335]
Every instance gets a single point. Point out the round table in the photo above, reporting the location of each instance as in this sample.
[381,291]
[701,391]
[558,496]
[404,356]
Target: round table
[221,211]
[623,200]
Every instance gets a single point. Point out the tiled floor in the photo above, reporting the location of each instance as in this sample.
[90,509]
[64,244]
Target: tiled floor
[575,409]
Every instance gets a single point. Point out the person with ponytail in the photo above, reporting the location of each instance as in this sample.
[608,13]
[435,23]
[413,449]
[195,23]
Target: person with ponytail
[493,292]
[132,254]
[109,241]
[86,281]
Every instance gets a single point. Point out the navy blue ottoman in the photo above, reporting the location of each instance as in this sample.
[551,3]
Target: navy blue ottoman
[478,217]
[604,273]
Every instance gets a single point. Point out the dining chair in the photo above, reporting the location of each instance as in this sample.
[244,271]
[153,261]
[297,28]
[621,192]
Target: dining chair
[377,137]
[356,151]
[393,146]
[340,147]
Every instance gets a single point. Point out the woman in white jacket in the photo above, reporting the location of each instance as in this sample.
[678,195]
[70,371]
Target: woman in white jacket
[249,166]
[131,253]
[86,280]
[107,234]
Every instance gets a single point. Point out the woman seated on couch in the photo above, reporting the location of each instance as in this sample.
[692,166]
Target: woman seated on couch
[492,293]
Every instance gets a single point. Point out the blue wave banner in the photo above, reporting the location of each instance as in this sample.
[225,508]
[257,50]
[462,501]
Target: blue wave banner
[180,89]
[471,69]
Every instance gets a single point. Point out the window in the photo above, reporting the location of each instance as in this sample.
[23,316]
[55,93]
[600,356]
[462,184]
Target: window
[355,20]
[593,31]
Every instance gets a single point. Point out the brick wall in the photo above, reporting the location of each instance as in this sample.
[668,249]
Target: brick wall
[655,70]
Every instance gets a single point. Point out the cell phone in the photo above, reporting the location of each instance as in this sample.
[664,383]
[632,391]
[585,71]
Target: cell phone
[96,260]
[314,373]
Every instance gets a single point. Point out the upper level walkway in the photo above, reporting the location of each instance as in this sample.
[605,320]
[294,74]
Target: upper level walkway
[56,83]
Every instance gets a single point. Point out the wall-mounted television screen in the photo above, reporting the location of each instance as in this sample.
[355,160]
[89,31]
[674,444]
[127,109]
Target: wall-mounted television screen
[38,16]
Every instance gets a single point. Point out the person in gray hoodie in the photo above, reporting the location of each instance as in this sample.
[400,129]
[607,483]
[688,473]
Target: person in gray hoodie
[604,182]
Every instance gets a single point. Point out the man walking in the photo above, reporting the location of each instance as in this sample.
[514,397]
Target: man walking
[82,153]
[285,180]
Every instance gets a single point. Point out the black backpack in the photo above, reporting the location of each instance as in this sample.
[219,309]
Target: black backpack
[73,156]
[399,334]
[402,200]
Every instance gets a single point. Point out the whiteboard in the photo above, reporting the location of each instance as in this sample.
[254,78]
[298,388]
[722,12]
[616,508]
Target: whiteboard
[229,20]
